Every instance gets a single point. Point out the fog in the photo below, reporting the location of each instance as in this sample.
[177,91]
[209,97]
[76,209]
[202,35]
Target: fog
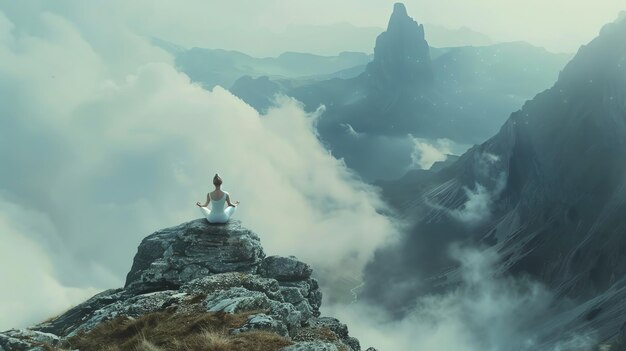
[484,312]
[269,28]
[103,142]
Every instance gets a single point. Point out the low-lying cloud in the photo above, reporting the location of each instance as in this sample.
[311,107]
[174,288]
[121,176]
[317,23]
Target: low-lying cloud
[106,141]
[484,312]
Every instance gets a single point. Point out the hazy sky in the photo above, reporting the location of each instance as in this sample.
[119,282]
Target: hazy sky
[559,25]
[270,27]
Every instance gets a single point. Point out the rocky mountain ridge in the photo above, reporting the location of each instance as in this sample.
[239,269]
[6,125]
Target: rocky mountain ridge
[199,268]
[410,90]
[548,193]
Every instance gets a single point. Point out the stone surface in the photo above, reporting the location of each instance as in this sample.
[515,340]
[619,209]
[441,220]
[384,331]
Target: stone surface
[338,328]
[311,346]
[401,54]
[224,281]
[285,269]
[235,300]
[262,321]
[26,339]
[173,256]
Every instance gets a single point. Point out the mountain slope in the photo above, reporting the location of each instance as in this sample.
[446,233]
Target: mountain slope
[409,91]
[548,192]
[211,67]
[198,286]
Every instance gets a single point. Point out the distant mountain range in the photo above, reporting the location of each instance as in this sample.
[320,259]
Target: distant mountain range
[211,67]
[548,192]
[412,90]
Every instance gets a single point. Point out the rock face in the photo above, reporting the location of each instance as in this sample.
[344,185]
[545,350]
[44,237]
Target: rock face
[552,186]
[401,54]
[191,250]
[200,267]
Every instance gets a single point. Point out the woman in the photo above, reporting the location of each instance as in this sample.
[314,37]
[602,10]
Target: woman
[217,198]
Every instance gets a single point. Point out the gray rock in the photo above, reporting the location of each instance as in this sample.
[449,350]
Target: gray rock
[76,316]
[173,256]
[132,307]
[32,335]
[311,346]
[235,300]
[225,281]
[262,321]
[338,328]
[308,288]
[284,268]
[26,340]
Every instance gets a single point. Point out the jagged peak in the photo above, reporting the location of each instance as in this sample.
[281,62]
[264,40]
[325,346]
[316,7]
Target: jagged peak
[401,54]
[399,9]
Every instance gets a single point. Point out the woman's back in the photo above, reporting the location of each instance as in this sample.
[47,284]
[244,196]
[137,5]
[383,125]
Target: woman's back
[217,202]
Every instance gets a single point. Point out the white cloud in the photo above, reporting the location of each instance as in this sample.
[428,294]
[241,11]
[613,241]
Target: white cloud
[427,152]
[478,205]
[111,149]
[30,289]
[485,312]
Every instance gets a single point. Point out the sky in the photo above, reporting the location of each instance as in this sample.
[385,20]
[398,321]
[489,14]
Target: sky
[270,27]
[103,141]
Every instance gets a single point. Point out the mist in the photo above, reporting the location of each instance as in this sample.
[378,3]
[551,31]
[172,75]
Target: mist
[486,311]
[100,150]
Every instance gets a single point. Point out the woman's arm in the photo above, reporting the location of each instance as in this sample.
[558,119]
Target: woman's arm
[229,203]
[208,199]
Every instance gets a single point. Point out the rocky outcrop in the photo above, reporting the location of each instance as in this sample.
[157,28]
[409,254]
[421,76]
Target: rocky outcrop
[191,250]
[401,54]
[197,267]
[552,192]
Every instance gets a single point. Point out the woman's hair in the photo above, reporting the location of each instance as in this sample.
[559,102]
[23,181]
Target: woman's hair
[217,181]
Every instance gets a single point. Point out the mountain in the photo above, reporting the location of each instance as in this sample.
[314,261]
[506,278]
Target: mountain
[410,90]
[401,55]
[198,286]
[445,37]
[211,67]
[547,192]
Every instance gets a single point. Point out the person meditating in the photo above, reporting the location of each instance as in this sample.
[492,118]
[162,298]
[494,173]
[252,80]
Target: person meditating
[217,198]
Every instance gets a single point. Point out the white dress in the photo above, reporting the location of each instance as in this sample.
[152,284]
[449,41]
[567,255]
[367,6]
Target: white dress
[217,213]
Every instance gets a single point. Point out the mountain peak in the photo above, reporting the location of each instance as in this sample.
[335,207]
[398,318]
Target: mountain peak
[399,10]
[401,54]
[192,272]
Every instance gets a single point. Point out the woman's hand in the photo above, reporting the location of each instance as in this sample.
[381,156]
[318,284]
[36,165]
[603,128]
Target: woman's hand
[198,204]
[236,203]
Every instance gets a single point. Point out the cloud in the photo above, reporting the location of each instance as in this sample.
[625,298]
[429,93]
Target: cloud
[427,152]
[477,207]
[350,130]
[31,290]
[100,135]
[484,312]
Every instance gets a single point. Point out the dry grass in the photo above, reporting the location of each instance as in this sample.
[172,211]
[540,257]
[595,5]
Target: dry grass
[162,331]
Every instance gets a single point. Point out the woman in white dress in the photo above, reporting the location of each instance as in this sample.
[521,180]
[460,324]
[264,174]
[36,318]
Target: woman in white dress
[217,198]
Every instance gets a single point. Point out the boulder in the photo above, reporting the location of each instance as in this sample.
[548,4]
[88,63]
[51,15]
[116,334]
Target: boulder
[285,269]
[173,256]
[263,321]
[311,346]
[224,281]
[26,339]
